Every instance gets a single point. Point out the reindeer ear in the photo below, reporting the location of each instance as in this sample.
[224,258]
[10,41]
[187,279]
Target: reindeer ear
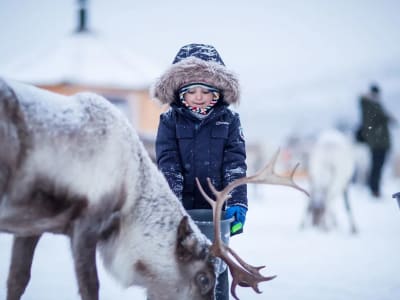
[186,242]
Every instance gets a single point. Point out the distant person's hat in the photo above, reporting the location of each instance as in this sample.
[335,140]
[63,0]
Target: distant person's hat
[374,88]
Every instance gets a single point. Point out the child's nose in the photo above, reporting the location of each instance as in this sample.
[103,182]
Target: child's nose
[198,95]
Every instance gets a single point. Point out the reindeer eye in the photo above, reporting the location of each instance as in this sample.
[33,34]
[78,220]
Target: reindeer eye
[204,282]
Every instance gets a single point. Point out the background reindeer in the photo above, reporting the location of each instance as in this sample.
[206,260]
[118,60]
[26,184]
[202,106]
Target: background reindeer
[331,167]
[74,166]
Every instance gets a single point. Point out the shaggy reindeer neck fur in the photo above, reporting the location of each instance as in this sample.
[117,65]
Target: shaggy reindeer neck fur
[151,218]
[193,69]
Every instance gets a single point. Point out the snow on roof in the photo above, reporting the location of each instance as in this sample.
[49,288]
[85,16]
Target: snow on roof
[84,59]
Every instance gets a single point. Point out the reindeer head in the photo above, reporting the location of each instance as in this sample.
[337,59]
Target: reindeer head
[190,272]
[317,206]
[196,263]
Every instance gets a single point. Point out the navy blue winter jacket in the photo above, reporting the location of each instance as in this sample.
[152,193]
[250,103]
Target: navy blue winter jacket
[214,147]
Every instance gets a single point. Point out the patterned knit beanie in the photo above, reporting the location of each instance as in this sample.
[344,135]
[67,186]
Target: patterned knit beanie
[202,51]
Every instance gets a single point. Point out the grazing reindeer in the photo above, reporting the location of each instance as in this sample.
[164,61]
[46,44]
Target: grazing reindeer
[74,166]
[331,167]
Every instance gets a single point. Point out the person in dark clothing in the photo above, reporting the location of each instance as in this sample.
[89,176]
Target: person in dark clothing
[200,136]
[375,133]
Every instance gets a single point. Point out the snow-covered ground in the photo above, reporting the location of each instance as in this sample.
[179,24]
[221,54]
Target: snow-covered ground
[310,264]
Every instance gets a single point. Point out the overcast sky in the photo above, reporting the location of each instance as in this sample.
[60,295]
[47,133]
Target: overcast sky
[276,47]
[258,34]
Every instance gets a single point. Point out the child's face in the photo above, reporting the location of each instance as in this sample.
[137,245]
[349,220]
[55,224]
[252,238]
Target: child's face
[198,97]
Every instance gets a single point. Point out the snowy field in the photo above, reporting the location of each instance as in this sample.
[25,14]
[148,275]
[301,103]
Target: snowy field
[310,264]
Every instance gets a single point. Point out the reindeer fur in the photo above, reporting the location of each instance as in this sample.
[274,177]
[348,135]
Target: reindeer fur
[75,166]
[331,167]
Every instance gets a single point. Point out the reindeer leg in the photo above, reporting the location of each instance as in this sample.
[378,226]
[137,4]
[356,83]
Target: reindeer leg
[83,244]
[306,217]
[20,268]
[353,227]
[329,218]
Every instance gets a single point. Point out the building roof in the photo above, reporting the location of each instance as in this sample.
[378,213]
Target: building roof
[84,58]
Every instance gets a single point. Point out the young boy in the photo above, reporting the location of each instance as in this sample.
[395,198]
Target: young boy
[199,136]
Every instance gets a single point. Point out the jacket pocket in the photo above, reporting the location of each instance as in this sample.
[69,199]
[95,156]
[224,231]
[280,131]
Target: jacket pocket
[184,132]
[219,138]
[220,131]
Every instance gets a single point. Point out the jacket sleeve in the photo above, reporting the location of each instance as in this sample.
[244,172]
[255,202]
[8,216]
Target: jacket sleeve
[234,164]
[167,154]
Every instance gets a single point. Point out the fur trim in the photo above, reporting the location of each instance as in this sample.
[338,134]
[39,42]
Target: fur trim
[193,69]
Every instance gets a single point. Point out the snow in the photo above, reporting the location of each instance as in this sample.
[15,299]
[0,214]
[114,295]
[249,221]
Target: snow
[310,264]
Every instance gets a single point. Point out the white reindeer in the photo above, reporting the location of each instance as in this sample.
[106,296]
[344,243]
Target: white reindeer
[75,166]
[331,167]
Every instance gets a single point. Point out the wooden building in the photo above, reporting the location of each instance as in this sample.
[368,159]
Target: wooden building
[86,61]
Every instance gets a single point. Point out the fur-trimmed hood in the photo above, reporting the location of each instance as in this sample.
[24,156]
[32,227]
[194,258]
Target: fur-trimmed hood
[194,69]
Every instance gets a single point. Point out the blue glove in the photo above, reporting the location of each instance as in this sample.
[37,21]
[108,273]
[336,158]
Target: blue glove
[239,214]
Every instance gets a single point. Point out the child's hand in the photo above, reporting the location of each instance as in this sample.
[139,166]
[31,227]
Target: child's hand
[239,213]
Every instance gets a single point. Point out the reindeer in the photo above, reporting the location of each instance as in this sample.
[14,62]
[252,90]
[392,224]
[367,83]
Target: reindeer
[73,165]
[331,167]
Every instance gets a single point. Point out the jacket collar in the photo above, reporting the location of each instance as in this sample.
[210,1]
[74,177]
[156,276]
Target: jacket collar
[216,112]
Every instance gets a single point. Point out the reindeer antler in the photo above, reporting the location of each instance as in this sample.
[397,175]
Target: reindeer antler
[242,273]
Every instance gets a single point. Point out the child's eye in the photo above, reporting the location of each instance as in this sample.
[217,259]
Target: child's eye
[206,91]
